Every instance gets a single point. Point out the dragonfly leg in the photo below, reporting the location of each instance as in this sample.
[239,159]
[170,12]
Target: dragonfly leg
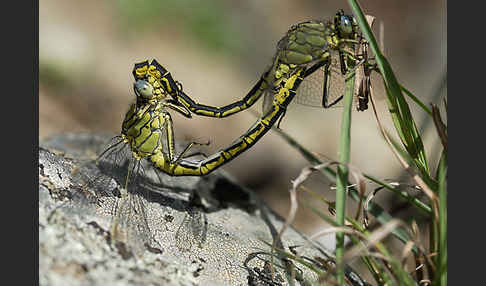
[170,141]
[177,106]
[196,154]
[188,147]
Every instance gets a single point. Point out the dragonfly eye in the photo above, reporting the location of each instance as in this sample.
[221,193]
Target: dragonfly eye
[144,89]
[346,24]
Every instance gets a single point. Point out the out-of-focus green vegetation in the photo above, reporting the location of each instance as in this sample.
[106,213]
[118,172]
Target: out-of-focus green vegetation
[52,75]
[206,21]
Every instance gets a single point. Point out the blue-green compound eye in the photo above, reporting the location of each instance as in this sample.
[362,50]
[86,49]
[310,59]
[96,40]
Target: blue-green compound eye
[346,24]
[144,89]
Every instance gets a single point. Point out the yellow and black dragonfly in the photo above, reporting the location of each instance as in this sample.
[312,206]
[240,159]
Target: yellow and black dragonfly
[322,52]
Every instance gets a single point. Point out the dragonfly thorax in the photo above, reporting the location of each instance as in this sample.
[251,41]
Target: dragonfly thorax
[142,129]
[309,42]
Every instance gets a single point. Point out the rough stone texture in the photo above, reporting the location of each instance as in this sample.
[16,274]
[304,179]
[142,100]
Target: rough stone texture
[219,238]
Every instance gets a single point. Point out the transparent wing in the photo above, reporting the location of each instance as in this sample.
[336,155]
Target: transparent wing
[192,231]
[97,179]
[116,176]
[130,226]
[311,90]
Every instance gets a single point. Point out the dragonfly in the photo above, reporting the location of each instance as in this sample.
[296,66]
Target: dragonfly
[319,51]
[311,64]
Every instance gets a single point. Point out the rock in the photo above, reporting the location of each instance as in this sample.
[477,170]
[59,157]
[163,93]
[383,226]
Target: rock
[177,231]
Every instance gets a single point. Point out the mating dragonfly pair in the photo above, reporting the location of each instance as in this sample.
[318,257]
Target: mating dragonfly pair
[312,63]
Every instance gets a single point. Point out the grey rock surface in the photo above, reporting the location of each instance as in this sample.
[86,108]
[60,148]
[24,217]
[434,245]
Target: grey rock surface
[178,231]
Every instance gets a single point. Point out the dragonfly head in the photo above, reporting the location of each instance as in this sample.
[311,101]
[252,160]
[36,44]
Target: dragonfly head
[143,90]
[346,25]
[152,82]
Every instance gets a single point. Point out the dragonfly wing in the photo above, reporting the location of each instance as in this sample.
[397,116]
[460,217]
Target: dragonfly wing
[116,178]
[326,86]
[97,179]
[192,231]
[335,84]
[312,89]
[130,225]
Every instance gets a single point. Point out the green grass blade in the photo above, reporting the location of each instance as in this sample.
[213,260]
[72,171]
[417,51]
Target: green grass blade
[342,173]
[431,182]
[442,259]
[416,100]
[407,131]
[398,107]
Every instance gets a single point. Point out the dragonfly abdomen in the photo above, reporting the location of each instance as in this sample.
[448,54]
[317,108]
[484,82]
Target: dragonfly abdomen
[200,109]
[186,167]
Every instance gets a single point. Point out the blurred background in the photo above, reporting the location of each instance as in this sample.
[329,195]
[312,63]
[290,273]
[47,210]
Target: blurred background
[218,49]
